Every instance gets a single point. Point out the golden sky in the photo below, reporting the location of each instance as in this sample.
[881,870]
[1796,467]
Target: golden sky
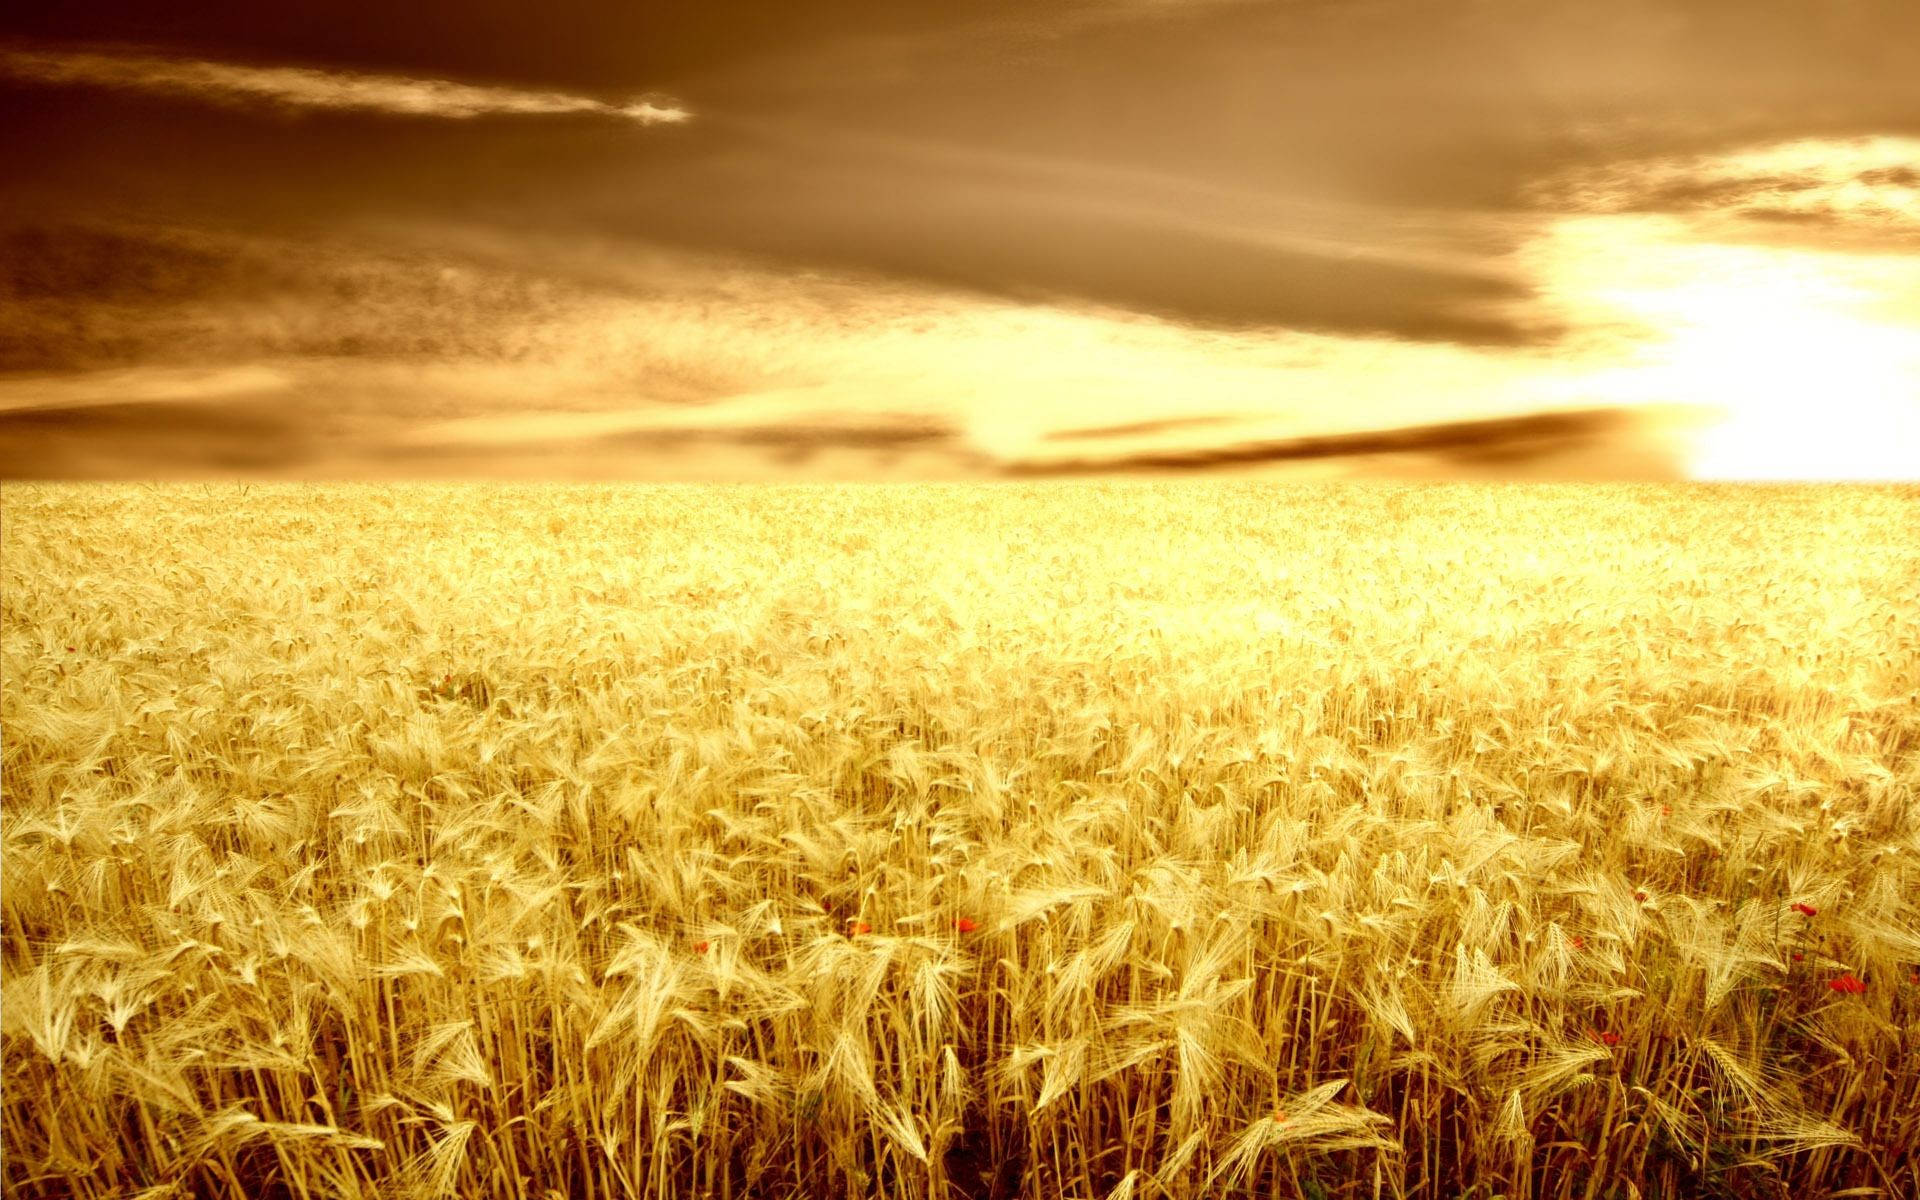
[1476,238]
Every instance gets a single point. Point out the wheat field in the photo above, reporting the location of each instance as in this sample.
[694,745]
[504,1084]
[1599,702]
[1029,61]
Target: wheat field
[1124,840]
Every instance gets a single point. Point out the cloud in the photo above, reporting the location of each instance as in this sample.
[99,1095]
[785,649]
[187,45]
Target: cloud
[412,352]
[95,295]
[1868,183]
[136,385]
[1027,229]
[1497,440]
[773,421]
[173,437]
[1134,428]
[305,88]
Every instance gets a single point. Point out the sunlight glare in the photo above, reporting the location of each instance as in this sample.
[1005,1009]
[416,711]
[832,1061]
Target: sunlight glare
[1792,344]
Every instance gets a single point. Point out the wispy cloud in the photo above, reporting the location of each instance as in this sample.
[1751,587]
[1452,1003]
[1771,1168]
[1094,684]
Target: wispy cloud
[1868,182]
[1500,439]
[413,352]
[306,88]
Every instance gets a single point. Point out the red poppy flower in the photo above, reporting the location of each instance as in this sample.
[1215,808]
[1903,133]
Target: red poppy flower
[1607,1037]
[703,947]
[966,925]
[1666,810]
[1640,896]
[1799,957]
[1805,910]
[861,927]
[1848,983]
[1579,943]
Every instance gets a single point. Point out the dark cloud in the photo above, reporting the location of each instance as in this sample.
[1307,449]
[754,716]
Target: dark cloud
[802,153]
[1501,439]
[83,296]
[253,438]
[1032,248]
[854,446]
[1396,101]
[579,43]
[1216,174]
[83,262]
[1017,232]
[151,437]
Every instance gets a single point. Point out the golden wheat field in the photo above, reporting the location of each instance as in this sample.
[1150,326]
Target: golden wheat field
[1124,840]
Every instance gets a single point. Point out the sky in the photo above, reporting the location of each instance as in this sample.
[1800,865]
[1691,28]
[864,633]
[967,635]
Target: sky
[979,239]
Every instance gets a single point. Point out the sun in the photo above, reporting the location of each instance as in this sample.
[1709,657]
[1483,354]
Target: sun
[1810,388]
[1807,355]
